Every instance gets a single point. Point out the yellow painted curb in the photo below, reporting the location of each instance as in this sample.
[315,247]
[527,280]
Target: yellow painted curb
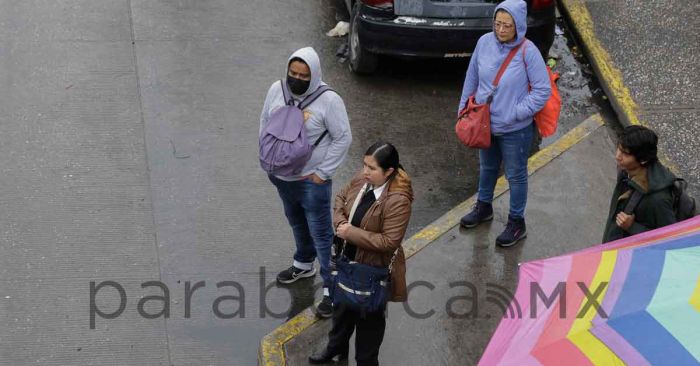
[272,345]
[610,77]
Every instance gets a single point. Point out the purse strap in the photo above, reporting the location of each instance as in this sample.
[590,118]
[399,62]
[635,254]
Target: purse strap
[359,196]
[502,70]
[393,258]
[353,209]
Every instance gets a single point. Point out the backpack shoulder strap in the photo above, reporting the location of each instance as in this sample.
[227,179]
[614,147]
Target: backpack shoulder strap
[286,94]
[310,99]
[313,96]
[633,202]
[318,140]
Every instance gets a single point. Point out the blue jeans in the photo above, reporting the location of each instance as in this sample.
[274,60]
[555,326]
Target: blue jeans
[307,206]
[513,149]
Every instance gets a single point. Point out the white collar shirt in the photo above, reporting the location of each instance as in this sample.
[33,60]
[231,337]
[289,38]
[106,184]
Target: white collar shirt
[378,191]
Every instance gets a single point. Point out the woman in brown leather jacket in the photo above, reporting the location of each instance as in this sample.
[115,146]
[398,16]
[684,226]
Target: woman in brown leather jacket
[374,235]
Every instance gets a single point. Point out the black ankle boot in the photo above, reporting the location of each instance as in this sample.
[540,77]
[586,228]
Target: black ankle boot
[482,212]
[326,357]
[515,231]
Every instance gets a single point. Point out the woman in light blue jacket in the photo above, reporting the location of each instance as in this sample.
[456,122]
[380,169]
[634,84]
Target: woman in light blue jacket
[513,106]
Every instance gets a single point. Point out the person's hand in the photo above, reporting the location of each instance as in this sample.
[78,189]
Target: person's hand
[315,178]
[342,230]
[624,221]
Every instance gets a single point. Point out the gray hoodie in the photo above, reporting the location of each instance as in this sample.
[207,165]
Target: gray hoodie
[326,113]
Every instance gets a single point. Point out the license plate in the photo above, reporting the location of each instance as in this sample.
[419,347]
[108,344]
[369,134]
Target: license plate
[457,55]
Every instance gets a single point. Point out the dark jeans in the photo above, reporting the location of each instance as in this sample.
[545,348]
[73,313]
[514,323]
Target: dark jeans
[370,333]
[512,149]
[307,206]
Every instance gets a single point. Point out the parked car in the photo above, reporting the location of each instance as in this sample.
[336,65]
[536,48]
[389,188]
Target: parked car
[432,28]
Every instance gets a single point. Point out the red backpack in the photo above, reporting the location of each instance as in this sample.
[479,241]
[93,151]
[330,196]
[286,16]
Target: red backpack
[546,119]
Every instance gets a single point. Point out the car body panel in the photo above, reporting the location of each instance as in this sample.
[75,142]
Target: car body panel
[385,33]
[448,9]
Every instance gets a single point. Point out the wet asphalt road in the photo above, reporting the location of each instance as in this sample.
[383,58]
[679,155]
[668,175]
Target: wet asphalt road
[129,131]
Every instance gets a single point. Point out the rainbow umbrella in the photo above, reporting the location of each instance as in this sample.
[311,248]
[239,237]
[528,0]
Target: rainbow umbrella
[635,301]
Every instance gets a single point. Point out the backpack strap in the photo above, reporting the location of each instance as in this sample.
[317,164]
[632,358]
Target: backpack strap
[310,99]
[286,94]
[313,96]
[318,140]
[633,202]
[635,196]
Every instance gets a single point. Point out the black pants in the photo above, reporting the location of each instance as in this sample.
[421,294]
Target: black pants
[370,333]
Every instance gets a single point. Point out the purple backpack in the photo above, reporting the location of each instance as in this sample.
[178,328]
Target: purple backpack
[284,150]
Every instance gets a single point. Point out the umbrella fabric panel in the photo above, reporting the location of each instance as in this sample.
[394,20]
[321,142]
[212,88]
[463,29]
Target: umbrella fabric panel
[623,350]
[623,260]
[515,337]
[630,318]
[670,305]
[541,336]
[618,344]
[603,331]
[553,343]
[695,298]
[595,350]
[652,340]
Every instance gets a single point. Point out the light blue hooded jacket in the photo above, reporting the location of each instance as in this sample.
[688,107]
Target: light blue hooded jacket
[513,106]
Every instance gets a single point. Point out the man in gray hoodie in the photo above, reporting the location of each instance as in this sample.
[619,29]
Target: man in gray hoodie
[307,197]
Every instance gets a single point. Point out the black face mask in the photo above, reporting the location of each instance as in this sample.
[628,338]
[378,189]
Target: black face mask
[298,86]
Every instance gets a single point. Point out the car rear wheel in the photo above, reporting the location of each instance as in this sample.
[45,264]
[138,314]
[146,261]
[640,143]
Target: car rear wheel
[361,60]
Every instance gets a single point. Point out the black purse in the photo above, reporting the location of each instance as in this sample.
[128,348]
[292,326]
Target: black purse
[358,286]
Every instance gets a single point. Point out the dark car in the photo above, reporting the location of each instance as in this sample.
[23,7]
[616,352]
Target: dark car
[432,28]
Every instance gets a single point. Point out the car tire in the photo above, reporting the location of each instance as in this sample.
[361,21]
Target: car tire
[361,60]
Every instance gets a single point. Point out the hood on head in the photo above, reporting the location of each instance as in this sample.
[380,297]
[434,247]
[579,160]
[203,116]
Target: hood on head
[518,10]
[310,57]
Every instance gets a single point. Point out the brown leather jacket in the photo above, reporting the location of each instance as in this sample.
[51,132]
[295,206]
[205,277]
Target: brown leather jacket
[382,229]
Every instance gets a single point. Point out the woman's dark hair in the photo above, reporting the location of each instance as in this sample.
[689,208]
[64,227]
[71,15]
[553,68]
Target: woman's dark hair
[640,142]
[386,155]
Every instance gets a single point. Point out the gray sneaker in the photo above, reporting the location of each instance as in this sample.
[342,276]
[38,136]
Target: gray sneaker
[292,274]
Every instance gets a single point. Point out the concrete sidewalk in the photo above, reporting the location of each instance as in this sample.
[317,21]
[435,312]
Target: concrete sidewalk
[462,281]
[645,56]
